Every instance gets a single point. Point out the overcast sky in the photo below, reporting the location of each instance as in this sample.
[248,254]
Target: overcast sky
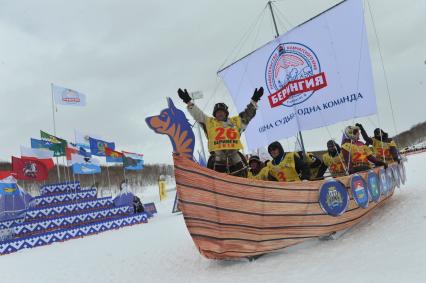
[128,56]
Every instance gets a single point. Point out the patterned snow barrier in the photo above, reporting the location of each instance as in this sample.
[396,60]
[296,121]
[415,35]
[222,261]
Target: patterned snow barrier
[67,221]
[60,188]
[63,198]
[14,245]
[56,211]
[9,223]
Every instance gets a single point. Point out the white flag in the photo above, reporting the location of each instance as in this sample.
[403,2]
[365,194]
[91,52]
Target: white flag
[36,152]
[79,159]
[66,96]
[317,74]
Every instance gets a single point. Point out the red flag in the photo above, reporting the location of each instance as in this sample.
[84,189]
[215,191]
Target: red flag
[29,169]
[5,174]
[48,162]
[69,151]
[112,153]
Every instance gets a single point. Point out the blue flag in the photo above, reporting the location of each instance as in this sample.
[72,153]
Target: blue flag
[83,152]
[86,168]
[97,147]
[137,166]
[35,143]
[9,189]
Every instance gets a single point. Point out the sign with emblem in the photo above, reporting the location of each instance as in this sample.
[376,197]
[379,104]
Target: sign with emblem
[396,176]
[359,190]
[384,186]
[373,185]
[333,198]
[390,179]
[402,172]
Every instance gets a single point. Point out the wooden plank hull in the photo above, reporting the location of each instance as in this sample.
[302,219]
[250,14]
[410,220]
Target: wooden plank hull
[230,217]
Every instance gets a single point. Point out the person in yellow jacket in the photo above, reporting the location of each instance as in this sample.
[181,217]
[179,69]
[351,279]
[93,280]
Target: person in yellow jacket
[286,166]
[356,154]
[384,148]
[333,159]
[315,165]
[257,170]
[224,133]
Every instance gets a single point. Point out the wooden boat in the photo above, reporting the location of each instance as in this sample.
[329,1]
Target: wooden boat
[231,217]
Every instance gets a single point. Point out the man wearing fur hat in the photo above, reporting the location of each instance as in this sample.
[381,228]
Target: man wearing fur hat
[224,132]
[356,154]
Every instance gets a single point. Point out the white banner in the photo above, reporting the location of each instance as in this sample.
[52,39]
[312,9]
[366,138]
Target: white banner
[66,96]
[315,75]
[36,152]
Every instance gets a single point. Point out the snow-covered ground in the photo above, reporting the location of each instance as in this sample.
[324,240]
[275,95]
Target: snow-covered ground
[388,247]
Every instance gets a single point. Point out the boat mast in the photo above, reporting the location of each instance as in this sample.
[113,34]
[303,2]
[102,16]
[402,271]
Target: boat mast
[278,34]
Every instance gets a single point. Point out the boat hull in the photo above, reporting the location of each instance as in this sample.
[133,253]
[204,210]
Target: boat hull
[230,217]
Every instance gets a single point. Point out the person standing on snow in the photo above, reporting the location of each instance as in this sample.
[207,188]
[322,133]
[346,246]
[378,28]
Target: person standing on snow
[224,132]
[356,154]
[384,148]
[286,166]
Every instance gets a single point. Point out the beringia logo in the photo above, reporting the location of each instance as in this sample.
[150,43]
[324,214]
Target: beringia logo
[293,74]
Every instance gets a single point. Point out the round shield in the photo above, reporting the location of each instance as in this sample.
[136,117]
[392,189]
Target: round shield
[333,198]
[402,172]
[391,180]
[359,190]
[396,176]
[373,185]
[384,186]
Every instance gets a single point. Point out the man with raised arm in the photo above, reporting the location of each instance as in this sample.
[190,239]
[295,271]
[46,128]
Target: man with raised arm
[224,133]
[384,148]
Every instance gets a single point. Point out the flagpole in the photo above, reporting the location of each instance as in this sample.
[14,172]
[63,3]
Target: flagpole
[109,180]
[54,131]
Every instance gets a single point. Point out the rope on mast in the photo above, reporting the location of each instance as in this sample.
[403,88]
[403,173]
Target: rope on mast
[383,67]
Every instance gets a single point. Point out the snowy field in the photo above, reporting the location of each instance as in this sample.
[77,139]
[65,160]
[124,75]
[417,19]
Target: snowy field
[388,247]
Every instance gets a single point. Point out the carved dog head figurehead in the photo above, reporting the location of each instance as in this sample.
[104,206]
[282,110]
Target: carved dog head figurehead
[173,123]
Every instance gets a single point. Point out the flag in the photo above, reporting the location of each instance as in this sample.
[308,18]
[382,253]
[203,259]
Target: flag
[317,74]
[132,161]
[5,174]
[66,96]
[82,151]
[29,169]
[113,156]
[97,147]
[84,165]
[35,143]
[36,152]
[42,155]
[58,145]
[69,151]
[82,138]
[10,189]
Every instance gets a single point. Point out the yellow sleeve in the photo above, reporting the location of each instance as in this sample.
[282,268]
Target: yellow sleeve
[326,160]
[392,143]
[367,150]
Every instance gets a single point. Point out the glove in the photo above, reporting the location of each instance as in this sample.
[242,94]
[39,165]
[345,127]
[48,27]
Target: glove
[359,126]
[184,95]
[257,94]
